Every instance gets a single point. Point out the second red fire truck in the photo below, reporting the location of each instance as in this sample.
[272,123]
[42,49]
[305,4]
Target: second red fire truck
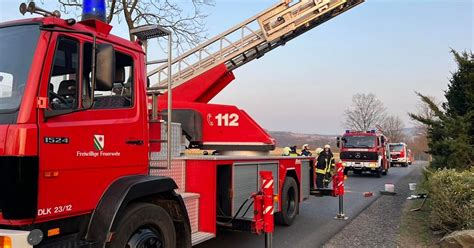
[400,154]
[364,151]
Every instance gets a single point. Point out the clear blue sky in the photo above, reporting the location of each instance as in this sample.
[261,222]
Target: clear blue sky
[391,48]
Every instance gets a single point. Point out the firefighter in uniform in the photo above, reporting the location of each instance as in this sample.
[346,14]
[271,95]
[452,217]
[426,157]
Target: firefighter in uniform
[324,165]
[305,151]
[293,152]
[286,151]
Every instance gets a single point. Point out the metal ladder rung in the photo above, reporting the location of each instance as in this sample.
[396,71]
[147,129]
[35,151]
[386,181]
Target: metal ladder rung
[158,61]
[209,62]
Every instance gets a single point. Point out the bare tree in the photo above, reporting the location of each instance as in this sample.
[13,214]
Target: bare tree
[365,113]
[424,110]
[393,128]
[420,140]
[187,23]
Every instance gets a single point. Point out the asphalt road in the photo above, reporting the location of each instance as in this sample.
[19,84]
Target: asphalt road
[316,224]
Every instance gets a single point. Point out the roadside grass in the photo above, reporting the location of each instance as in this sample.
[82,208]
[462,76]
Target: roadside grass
[415,228]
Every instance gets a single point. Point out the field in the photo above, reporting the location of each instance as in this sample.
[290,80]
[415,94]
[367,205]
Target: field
[277,152]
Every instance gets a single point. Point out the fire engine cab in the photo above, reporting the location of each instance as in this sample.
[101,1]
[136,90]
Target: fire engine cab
[364,151]
[399,154]
[93,134]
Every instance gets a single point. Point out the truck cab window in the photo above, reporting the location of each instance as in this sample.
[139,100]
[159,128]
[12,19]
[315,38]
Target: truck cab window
[6,85]
[62,88]
[121,95]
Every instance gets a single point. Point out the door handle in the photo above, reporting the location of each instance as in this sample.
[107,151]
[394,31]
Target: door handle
[134,142]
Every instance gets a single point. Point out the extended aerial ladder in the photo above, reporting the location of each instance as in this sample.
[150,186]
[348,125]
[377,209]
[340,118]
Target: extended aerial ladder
[252,38]
[201,73]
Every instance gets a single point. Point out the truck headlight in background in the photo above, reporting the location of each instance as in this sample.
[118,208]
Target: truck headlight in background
[372,165]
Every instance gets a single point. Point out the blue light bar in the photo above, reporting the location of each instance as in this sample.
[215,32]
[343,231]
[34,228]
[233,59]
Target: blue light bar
[93,9]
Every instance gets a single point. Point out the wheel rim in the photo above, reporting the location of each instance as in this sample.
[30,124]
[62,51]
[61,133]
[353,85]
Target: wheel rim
[146,238]
[291,202]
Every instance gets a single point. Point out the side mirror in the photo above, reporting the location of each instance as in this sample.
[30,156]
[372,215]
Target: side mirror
[383,140]
[105,67]
[338,142]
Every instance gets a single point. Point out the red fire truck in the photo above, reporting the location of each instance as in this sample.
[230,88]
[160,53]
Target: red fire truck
[92,146]
[364,151]
[399,154]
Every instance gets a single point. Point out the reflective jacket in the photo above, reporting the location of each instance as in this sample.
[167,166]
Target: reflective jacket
[325,162]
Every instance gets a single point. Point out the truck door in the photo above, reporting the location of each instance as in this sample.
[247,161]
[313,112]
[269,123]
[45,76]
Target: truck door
[82,150]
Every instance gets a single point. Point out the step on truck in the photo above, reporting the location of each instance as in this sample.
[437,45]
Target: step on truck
[94,132]
[364,151]
[399,154]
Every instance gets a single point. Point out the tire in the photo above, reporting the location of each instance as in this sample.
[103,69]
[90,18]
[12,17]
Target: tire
[346,171]
[404,165]
[289,203]
[378,173]
[384,171]
[144,224]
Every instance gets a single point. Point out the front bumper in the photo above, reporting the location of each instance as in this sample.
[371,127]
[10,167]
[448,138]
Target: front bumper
[14,239]
[399,160]
[363,166]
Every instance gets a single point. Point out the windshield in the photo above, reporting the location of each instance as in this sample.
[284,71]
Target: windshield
[396,148]
[17,47]
[359,141]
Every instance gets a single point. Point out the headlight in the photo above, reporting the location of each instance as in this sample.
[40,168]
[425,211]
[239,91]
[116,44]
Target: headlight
[372,165]
[344,164]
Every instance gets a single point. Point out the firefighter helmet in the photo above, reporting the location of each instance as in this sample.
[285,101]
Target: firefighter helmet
[286,151]
[319,150]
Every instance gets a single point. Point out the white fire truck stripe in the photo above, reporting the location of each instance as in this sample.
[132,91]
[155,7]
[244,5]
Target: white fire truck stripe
[268,209]
[268,184]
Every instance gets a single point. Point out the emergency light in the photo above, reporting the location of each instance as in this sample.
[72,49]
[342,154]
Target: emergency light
[93,9]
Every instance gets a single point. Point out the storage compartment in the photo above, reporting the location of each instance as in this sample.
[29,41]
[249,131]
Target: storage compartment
[223,197]
[245,181]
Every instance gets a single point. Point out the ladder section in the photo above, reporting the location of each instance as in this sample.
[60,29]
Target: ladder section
[146,33]
[252,38]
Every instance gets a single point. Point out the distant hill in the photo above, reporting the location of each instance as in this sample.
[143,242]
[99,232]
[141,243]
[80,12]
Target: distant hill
[313,140]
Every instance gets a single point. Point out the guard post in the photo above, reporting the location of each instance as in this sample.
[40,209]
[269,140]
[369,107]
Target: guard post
[338,190]
[268,208]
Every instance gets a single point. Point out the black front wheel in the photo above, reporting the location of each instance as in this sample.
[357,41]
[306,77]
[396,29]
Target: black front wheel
[378,173]
[289,202]
[144,225]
